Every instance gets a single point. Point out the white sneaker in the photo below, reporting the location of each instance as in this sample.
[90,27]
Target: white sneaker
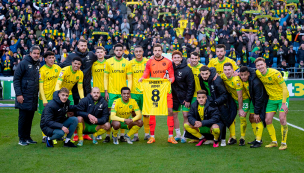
[99,137]
[208,142]
[223,143]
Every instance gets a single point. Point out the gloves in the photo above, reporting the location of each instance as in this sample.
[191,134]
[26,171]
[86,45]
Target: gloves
[252,59]
[213,104]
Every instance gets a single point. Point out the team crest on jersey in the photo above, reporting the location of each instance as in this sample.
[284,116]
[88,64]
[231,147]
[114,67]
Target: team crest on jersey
[269,78]
[144,64]
[164,64]
[180,73]
[232,83]
[238,84]
[56,70]
[130,106]
[77,77]
[123,64]
[88,57]
[60,75]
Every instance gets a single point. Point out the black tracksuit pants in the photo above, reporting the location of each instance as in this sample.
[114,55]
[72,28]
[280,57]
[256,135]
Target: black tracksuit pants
[25,123]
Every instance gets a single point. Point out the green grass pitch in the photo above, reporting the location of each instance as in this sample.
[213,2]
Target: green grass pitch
[158,157]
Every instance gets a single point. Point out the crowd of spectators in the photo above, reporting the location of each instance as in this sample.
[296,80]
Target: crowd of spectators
[272,29]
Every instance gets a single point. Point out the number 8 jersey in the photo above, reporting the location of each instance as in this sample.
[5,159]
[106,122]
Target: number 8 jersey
[155,92]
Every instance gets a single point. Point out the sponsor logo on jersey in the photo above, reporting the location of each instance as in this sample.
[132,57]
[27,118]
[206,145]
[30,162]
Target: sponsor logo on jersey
[30,66]
[118,71]
[99,70]
[180,73]
[60,75]
[159,71]
[138,71]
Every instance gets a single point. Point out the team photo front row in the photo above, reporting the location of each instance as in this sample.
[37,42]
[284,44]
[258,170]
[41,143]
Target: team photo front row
[128,95]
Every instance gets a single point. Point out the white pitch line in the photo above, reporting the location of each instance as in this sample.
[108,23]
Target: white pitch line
[297,127]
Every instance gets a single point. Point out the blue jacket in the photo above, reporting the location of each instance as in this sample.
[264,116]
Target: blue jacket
[14,47]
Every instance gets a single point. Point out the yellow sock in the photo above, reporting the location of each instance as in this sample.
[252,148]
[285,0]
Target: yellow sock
[80,131]
[43,134]
[259,131]
[232,130]
[216,133]
[193,131]
[284,131]
[109,132]
[115,132]
[122,131]
[133,130]
[243,127]
[271,132]
[146,124]
[253,125]
[99,132]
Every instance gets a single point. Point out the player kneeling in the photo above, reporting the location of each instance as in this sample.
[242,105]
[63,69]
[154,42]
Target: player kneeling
[54,122]
[121,110]
[93,116]
[203,119]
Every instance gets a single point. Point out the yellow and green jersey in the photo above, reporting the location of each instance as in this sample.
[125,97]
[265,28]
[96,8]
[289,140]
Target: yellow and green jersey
[155,92]
[233,85]
[68,78]
[115,75]
[47,81]
[137,69]
[272,80]
[121,110]
[200,110]
[219,66]
[196,72]
[98,74]
[246,88]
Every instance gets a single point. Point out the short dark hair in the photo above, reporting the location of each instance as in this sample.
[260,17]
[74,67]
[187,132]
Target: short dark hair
[204,68]
[138,46]
[201,92]
[220,46]
[64,90]
[77,59]
[48,53]
[118,45]
[244,69]
[228,64]
[194,53]
[124,88]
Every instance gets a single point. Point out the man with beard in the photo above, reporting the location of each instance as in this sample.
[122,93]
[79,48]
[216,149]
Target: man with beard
[116,74]
[160,67]
[218,63]
[93,116]
[87,58]
[259,98]
[26,86]
[212,83]
[182,91]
